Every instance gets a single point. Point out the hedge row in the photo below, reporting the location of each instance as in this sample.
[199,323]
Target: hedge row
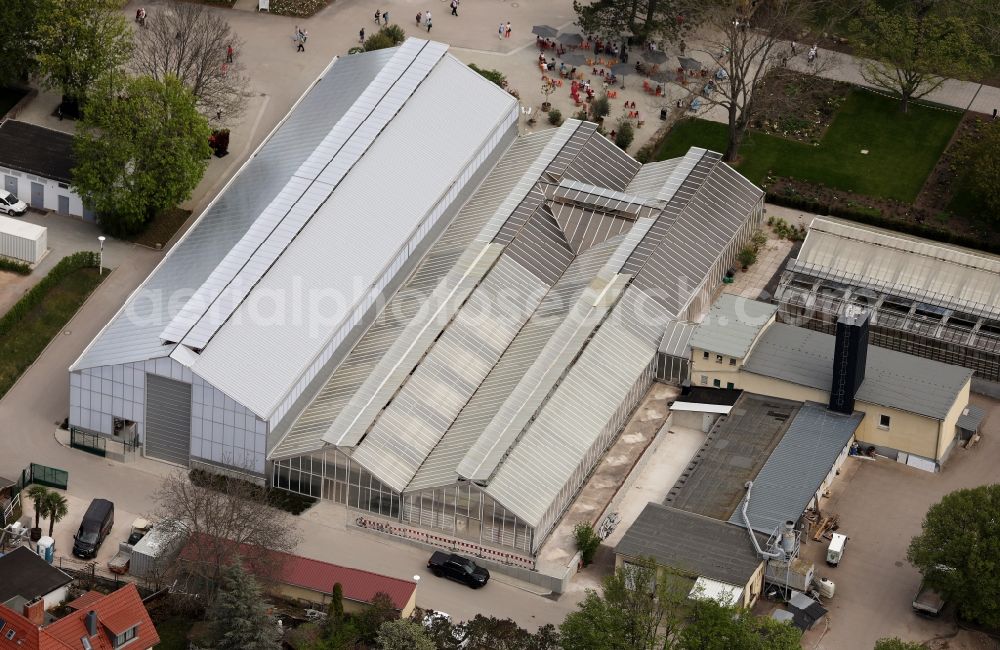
[14,266]
[874,217]
[34,297]
[281,499]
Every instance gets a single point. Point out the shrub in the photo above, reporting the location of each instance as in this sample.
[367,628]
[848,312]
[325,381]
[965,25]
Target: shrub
[30,300]
[747,256]
[14,266]
[378,41]
[625,134]
[759,238]
[495,76]
[600,107]
[555,117]
[395,32]
[291,502]
[587,541]
[581,115]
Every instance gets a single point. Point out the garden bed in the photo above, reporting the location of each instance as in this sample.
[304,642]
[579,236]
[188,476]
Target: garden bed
[297,8]
[161,229]
[797,106]
[885,213]
[947,188]
[42,313]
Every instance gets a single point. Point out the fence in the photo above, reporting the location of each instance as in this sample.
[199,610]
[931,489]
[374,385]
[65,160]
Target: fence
[48,476]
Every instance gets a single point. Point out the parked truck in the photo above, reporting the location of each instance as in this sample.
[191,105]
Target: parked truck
[120,562]
[928,602]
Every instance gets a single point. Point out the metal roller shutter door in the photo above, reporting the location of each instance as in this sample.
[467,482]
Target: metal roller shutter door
[168,419]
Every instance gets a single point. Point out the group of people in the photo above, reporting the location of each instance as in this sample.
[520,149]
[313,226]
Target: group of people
[425,17]
[504,30]
[381,18]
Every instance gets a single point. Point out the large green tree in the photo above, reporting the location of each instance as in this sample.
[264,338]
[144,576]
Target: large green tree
[958,551]
[403,635]
[910,52]
[647,20]
[716,627]
[80,41]
[141,147]
[626,614]
[18,47]
[238,616]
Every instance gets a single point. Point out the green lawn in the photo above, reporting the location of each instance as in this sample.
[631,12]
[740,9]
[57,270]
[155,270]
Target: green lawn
[9,97]
[38,317]
[902,148]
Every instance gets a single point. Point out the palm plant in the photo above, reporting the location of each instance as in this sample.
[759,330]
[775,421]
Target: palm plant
[38,494]
[56,507]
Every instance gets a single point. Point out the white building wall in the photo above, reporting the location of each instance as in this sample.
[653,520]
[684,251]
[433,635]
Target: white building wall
[53,190]
[222,430]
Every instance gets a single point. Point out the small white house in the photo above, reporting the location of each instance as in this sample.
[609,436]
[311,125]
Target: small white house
[36,164]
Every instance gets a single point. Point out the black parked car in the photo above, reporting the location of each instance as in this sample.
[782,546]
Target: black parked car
[458,568]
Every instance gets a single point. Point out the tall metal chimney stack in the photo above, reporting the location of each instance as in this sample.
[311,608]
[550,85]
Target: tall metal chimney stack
[850,356]
[788,538]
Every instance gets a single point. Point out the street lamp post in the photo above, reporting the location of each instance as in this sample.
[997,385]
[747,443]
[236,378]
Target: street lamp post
[100,257]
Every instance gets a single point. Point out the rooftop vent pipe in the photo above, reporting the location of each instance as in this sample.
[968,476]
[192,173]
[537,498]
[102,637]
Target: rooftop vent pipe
[767,555]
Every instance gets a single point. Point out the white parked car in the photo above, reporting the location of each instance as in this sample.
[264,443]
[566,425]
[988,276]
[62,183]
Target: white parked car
[10,204]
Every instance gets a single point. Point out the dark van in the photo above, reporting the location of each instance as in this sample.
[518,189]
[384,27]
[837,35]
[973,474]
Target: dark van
[96,525]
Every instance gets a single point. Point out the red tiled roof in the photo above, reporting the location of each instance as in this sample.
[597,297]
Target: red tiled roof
[116,613]
[358,585]
[86,600]
[113,612]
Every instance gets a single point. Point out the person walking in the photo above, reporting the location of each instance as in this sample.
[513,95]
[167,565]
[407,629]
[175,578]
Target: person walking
[420,16]
[793,48]
[301,47]
[427,16]
[454,7]
[385,16]
[229,54]
[427,20]
[507,30]
[361,35]
[994,115]
[378,16]
[501,31]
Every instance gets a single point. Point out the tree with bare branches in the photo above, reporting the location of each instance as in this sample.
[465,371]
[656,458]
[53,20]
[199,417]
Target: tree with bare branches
[226,518]
[745,41]
[196,45]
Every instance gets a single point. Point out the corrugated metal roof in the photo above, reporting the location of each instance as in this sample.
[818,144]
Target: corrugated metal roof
[731,325]
[691,544]
[905,266]
[676,341]
[652,177]
[441,466]
[413,343]
[134,333]
[970,419]
[707,223]
[356,234]
[736,448]
[575,415]
[305,434]
[604,199]
[892,379]
[551,363]
[585,228]
[601,162]
[432,397]
[796,468]
[310,186]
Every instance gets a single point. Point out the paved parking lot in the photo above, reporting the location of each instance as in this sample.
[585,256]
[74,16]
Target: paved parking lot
[881,505]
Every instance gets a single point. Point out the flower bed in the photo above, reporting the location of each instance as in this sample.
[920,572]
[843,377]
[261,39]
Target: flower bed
[297,8]
[797,106]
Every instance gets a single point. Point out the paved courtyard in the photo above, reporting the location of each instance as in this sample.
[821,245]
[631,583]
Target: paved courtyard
[881,505]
